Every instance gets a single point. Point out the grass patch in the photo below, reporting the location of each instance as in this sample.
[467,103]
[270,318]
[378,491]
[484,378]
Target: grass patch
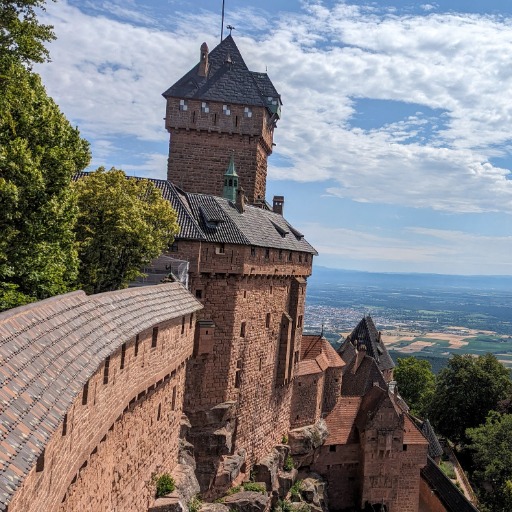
[194,505]
[447,468]
[288,463]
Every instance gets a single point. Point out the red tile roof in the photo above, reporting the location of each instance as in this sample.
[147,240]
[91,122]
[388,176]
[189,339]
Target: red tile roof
[317,354]
[340,421]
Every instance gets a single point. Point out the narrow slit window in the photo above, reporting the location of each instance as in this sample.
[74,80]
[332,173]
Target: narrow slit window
[242,329]
[105,370]
[191,320]
[136,348]
[65,425]
[173,401]
[267,321]
[159,413]
[182,325]
[154,337]
[85,393]
[40,463]
[123,355]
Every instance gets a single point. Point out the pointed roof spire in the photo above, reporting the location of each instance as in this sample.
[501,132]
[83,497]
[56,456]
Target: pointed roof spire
[231,180]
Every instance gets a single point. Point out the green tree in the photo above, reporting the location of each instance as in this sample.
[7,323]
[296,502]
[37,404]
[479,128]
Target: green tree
[22,37]
[123,223]
[416,383]
[466,390]
[491,444]
[39,153]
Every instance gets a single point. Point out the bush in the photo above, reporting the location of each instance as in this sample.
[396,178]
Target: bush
[194,504]
[288,463]
[164,485]
[283,506]
[253,486]
[284,439]
[295,490]
[448,470]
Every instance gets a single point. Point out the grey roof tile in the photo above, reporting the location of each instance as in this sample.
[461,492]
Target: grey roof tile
[228,80]
[49,349]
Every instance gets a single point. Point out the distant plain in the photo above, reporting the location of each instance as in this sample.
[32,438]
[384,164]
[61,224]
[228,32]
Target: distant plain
[426,315]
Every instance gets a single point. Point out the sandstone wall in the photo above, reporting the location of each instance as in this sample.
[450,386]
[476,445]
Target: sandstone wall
[120,430]
[306,408]
[429,501]
[201,144]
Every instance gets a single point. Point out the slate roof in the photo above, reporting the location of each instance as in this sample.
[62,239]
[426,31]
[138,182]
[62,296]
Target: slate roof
[215,219]
[50,349]
[228,80]
[452,499]
[359,382]
[366,333]
[316,355]
[434,448]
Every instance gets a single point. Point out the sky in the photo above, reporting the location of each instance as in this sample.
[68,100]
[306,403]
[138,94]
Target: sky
[394,150]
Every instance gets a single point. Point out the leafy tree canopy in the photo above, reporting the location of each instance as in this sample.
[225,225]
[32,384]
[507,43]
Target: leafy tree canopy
[466,390]
[39,154]
[123,223]
[492,455]
[22,37]
[416,382]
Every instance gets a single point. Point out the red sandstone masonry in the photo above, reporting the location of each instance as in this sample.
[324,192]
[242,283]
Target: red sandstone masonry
[238,287]
[201,145]
[115,442]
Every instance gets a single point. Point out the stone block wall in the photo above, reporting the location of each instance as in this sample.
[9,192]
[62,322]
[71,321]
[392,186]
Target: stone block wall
[201,144]
[120,430]
[307,400]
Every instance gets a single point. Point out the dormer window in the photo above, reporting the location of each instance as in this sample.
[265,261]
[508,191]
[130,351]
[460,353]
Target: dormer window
[247,112]
[226,110]
[205,108]
[183,105]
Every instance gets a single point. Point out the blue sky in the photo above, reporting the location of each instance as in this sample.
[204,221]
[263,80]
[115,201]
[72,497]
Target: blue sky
[394,151]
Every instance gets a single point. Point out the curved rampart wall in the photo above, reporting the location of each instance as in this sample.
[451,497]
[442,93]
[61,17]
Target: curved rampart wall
[102,380]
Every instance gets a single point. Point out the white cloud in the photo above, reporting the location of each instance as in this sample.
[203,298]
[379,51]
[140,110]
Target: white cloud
[108,77]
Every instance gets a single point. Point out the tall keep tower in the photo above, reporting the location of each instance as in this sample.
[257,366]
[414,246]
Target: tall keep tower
[220,106]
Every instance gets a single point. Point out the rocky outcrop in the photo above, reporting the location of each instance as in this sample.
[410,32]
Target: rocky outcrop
[313,491]
[305,440]
[248,501]
[214,507]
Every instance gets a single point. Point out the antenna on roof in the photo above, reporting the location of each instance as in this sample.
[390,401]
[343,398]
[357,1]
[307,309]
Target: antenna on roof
[322,332]
[222,23]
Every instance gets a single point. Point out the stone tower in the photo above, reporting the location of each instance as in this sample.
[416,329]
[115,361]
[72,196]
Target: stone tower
[221,106]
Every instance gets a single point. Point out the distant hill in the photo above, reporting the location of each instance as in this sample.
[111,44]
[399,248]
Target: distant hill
[324,275]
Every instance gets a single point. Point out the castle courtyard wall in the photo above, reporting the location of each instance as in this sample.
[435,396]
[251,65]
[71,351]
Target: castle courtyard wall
[124,431]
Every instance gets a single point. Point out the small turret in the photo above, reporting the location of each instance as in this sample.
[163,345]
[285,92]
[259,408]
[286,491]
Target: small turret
[231,180]
[278,205]
[203,62]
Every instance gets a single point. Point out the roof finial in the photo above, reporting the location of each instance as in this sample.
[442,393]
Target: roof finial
[230,28]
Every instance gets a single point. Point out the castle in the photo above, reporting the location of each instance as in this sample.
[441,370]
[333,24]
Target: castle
[94,388]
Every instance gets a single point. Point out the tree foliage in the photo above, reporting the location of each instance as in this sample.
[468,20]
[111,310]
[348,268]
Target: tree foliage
[491,444]
[416,383]
[123,223]
[22,37]
[39,153]
[466,390]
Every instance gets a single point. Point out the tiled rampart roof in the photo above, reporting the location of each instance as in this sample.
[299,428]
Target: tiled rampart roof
[452,499]
[50,349]
[317,354]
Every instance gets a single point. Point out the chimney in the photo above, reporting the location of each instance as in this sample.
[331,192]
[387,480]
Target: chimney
[203,62]
[278,204]
[240,200]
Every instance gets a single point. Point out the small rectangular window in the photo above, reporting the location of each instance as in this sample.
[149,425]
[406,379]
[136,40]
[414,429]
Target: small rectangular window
[290,257]
[332,448]
[226,109]
[154,337]
[123,354]
[253,251]
[280,255]
[267,321]
[183,105]
[300,257]
[405,447]
[40,463]
[136,348]
[191,320]
[205,108]
[173,402]
[159,413]
[173,247]
[65,425]
[85,393]
[105,370]
[299,321]
[267,254]
[220,249]
[199,294]
[247,112]
[242,330]
[238,374]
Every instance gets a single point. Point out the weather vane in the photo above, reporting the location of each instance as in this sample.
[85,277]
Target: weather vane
[230,28]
